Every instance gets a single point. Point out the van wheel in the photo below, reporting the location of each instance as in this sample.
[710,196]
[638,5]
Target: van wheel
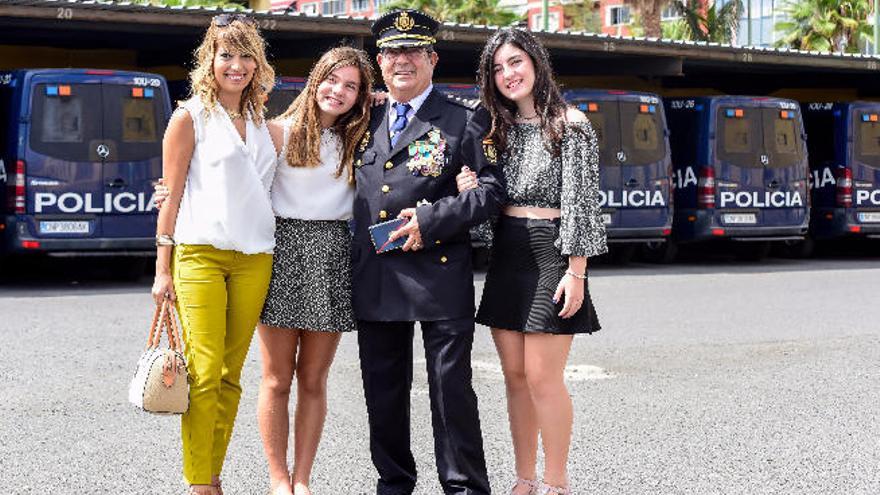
[622,254]
[798,249]
[660,252]
[753,251]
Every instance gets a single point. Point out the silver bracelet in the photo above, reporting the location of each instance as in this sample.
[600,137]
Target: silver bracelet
[164,240]
[575,275]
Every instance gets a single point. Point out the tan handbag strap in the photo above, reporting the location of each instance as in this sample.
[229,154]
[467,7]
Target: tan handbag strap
[152,336]
[164,320]
[174,342]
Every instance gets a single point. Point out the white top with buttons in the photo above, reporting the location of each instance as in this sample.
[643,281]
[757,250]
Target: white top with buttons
[226,198]
[313,193]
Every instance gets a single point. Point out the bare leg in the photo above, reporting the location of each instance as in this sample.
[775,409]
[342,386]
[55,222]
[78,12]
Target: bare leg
[545,358]
[520,410]
[278,348]
[317,350]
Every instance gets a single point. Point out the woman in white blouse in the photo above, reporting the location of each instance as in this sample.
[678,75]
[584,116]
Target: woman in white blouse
[309,301]
[215,234]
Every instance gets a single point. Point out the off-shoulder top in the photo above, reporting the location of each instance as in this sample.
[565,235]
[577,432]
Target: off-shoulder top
[569,182]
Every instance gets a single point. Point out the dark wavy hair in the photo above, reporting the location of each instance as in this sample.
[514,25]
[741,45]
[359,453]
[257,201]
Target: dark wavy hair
[548,99]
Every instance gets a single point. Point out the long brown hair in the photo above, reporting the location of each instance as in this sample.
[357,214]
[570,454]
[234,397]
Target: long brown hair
[549,104]
[243,38]
[304,145]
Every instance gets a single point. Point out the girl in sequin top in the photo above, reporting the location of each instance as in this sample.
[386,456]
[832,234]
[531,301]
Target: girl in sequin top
[535,297]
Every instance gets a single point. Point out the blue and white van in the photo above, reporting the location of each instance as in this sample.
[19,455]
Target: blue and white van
[635,167]
[80,151]
[740,170]
[844,146]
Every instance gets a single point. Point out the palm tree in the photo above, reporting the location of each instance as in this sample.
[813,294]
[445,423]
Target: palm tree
[708,22]
[462,11]
[825,25]
[649,12]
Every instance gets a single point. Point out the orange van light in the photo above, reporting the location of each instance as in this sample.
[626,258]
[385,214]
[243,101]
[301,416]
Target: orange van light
[137,93]
[717,231]
[30,244]
[643,108]
[2,226]
[874,117]
[738,112]
[692,218]
[855,229]
[593,107]
[829,216]
[64,90]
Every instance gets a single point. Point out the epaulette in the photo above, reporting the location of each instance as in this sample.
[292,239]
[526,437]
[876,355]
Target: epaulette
[469,103]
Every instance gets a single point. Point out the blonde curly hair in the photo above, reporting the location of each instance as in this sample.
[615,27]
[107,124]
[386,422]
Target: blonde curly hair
[241,37]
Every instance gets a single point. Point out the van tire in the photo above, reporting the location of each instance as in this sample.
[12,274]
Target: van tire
[622,254]
[660,252]
[753,251]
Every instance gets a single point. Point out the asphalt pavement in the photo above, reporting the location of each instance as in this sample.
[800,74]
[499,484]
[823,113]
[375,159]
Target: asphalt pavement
[708,377]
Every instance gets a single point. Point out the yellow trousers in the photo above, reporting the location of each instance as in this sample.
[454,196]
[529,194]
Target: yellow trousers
[220,294]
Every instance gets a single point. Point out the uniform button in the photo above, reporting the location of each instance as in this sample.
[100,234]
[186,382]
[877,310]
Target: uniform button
[386,188]
[443,259]
[383,214]
[358,162]
[389,165]
[437,241]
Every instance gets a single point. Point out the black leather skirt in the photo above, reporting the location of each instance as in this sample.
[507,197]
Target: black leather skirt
[525,269]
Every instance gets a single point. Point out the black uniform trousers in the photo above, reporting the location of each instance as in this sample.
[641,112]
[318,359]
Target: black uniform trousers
[386,353]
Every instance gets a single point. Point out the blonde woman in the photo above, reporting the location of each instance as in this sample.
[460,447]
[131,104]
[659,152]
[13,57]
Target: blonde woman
[215,233]
[309,302]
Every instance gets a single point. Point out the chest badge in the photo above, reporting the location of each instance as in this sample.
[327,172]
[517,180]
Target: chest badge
[427,156]
[364,142]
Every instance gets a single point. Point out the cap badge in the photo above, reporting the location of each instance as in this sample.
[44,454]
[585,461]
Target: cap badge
[404,22]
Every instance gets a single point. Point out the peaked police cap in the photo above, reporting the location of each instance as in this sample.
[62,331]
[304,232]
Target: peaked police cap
[405,28]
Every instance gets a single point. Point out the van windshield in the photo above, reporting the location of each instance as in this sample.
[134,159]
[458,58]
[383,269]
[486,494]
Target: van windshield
[63,120]
[279,100]
[642,135]
[133,124]
[739,136]
[782,137]
[868,143]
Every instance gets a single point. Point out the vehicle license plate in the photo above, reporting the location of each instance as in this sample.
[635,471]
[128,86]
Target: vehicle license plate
[869,217]
[80,227]
[739,218]
[606,217]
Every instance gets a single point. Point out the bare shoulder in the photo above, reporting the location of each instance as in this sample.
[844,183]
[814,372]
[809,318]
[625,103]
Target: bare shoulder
[180,126]
[276,131]
[572,114]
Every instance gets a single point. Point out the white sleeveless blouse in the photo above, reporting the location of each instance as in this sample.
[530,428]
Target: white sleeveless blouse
[226,201]
[313,193]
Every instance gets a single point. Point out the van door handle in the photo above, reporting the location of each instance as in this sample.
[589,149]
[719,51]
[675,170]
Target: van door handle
[116,183]
[632,183]
[774,184]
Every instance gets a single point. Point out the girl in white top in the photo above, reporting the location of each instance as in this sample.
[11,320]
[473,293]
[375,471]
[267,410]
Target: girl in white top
[309,300]
[218,163]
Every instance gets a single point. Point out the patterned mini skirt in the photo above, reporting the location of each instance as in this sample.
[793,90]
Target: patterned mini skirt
[310,287]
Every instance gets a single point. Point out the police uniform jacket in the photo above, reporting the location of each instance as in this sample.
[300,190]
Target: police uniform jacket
[435,282]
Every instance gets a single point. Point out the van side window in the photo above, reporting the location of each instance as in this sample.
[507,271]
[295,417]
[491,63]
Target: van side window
[645,134]
[785,137]
[738,136]
[66,121]
[782,138]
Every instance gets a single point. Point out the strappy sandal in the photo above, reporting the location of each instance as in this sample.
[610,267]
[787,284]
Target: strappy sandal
[532,484]
[546,489]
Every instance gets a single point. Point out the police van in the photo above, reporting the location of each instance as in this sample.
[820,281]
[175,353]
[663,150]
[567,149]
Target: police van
[635,168]
[285,91]
[465,91]
[740,171]
[844,149]
[79,153]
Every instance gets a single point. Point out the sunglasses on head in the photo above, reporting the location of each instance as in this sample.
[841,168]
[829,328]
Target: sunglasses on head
[223,20]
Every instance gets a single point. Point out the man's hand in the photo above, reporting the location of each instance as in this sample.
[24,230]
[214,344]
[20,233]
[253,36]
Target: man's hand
[466,179]
[411,229]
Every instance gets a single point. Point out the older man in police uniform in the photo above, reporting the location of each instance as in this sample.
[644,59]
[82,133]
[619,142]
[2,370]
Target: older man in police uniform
[405,167]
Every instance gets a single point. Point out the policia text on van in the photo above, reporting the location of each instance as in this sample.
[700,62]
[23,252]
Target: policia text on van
[81,151]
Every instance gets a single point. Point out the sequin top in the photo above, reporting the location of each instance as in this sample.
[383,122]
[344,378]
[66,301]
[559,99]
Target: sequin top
[569,182]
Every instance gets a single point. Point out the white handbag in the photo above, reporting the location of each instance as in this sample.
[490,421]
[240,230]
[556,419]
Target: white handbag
[160,384]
